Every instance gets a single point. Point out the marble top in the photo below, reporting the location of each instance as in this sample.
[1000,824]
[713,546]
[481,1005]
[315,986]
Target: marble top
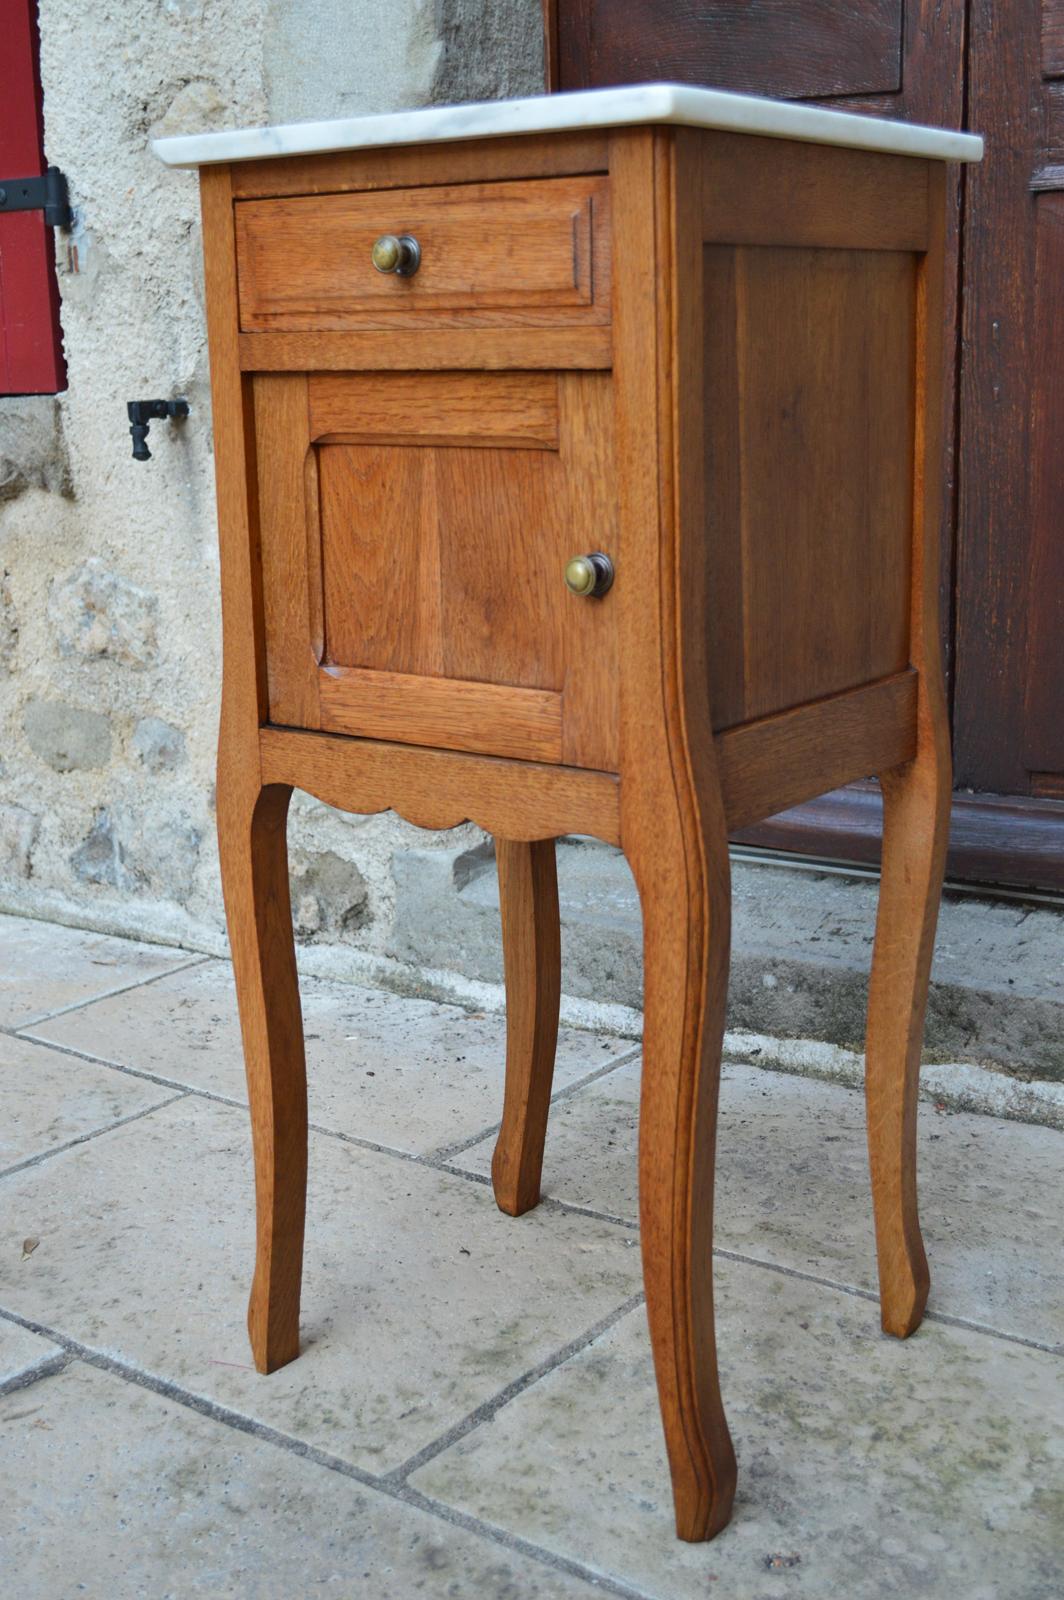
[593,108]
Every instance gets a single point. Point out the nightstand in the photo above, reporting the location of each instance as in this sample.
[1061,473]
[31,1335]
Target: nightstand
[578,472]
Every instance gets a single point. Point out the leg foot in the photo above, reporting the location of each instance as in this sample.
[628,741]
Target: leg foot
[915,825]
[531,937]
[254,857]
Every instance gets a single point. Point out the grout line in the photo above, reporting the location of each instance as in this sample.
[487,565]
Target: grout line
[402,1493]
[93,1133]
[107,994]
[447,1152]
[44,1367]
[489,1409]
[944,1317]
[437,1161]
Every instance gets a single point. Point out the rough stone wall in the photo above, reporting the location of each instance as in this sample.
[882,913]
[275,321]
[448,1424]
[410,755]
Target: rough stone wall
[109,620]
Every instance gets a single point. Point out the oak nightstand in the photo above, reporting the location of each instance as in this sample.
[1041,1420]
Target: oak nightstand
[577,470]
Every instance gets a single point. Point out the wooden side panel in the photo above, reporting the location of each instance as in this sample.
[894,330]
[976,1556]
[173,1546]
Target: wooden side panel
[289,537]
[534,252]
[447,562]
[809,459]
[821,47]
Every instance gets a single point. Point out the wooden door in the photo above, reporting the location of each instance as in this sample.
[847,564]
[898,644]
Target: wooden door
[415,529]
[999,70]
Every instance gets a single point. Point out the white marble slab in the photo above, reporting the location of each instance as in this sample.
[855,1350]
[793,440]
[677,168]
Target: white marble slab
[594,108]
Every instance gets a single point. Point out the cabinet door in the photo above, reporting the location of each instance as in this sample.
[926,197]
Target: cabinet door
[415,529]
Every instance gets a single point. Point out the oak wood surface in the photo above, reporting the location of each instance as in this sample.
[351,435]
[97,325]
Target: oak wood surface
[446,563]
[531,943]
[446,713]
[289,535]
[411,166]
[829,198]
[441,788]
[251,820]
[777,761]
[809,418]
[423,408]
[672,816]
[426,350]
[527,253]
[916,800]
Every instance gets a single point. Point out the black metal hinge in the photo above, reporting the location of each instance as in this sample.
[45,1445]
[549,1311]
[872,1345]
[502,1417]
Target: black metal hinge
[47,194]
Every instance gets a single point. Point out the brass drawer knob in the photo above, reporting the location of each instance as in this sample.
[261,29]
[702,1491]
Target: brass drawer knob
[397,253]
[589,575]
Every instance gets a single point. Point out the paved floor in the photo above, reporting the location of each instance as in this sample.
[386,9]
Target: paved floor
[473,1413]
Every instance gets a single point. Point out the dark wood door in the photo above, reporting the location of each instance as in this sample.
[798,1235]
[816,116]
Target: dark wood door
[1000,71]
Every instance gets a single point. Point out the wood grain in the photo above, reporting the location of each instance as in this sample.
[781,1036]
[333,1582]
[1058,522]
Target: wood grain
[916,799]
[809,426]
[519,409]
[439,789]
[556,155]
[531,943]
[419,350]
[821,47]
[446,713]
[528,253]
[829,198]
[768,765]
[282,436]
[449,562]
[251,828]
[672,816]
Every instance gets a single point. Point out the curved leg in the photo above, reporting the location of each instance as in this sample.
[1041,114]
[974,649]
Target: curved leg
[685,897]
[531,941]
[254,859]
[915,827]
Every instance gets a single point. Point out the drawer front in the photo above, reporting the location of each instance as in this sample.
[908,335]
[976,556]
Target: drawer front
[415,530]
[515,254]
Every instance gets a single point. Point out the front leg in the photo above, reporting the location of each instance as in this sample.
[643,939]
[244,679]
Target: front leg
[531,942]
[686,900]
[254,861]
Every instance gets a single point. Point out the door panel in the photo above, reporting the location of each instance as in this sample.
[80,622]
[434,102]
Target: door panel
[778,47]
[413,566]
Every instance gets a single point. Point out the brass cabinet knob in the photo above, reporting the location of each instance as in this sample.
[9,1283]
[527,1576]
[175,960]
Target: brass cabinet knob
[397,253]
[589,575]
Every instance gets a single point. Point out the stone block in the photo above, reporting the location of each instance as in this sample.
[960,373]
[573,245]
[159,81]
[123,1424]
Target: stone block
[95,612]
[100,858]
[8,626]
[158,745]
[68,738]
[330,898]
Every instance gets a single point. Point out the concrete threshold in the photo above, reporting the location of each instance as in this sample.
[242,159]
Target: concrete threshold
[802,946]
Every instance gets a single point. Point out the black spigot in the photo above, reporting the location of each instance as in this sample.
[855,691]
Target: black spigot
[142,412]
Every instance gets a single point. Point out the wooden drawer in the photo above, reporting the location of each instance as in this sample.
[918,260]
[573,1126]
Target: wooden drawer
[525,254]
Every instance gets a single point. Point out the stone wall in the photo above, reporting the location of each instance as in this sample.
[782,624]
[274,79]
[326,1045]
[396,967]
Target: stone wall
[109,623]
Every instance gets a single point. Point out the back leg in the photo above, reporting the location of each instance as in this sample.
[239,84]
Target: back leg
[531,942]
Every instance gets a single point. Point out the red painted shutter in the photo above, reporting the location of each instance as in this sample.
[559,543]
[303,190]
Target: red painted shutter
[31,350]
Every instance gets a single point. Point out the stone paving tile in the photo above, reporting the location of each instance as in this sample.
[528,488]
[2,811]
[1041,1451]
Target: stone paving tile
[411,1074]
[793,1189]
[421,1300]
[926,1470]
[51,1098]
[20,1352]
[110,1490]
[44,967]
